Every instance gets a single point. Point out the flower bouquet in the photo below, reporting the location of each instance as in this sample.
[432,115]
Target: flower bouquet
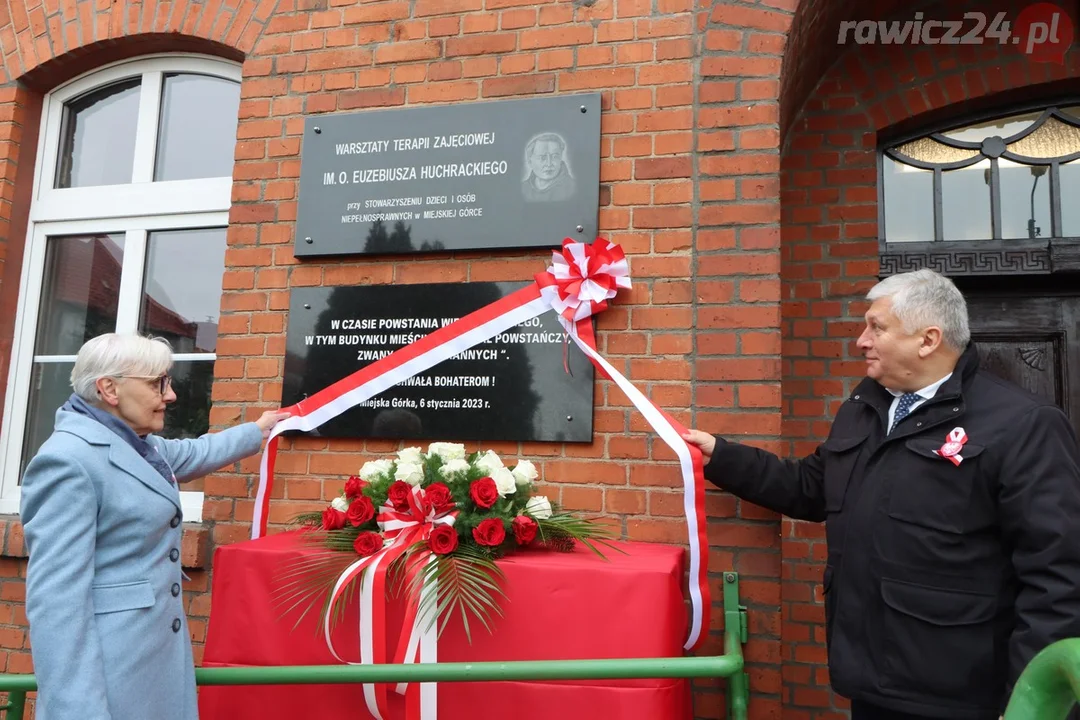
[438,518]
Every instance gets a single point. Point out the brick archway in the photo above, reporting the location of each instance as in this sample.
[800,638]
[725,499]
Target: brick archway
[829,246]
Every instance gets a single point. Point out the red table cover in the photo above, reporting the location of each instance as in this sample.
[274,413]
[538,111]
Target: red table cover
[561,606]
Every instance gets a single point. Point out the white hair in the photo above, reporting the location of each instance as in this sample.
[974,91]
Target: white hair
[924,298]
[118,355]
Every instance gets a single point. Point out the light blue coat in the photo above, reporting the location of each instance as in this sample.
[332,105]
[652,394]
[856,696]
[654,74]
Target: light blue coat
[108,633]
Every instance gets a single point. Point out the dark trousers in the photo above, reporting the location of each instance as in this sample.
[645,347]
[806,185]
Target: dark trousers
[863,711]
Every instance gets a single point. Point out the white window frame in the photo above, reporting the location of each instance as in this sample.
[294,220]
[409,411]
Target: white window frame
[134,209]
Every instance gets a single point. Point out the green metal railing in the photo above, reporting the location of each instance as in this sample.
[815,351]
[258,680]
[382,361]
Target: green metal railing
[1049,686]
[729,665]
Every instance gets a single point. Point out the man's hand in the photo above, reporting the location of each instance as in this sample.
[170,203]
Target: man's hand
[269,419]
[703,440]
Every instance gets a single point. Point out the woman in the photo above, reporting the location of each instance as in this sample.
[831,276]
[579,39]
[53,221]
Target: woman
[101,515]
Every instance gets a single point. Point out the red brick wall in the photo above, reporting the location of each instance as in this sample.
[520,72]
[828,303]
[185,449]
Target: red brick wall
[829,258]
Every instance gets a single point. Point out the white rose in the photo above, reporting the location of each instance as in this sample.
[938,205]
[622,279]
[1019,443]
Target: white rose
[412,473]
[525,472]
[489,462]
[504,482]
[340,503]
[454,467]
[410,455]
[539,507]
[447,451]
[374,469]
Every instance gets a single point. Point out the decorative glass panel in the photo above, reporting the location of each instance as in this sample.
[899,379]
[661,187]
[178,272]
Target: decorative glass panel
[181,299]
[97,137]
[80,291]
[929,150]
[1014,189]
[909,214]
[1002,127]
[50,387]
[197,134]
[1052,139]
[1025,200]
[189,416]
[965,202]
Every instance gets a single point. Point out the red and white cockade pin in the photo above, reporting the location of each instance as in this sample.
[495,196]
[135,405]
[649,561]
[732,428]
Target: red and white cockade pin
[954,443]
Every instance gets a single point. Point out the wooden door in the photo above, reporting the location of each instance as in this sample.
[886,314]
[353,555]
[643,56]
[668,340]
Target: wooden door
[1032,341]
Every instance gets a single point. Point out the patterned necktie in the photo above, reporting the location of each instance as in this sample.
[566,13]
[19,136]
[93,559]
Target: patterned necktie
[903,408]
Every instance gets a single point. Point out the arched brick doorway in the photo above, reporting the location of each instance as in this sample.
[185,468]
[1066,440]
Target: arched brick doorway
[839,105]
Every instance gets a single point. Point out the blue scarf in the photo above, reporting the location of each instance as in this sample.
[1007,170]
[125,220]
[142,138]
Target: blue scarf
[146,451]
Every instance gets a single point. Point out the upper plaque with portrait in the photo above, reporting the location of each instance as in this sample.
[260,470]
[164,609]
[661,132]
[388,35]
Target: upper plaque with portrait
[508,174]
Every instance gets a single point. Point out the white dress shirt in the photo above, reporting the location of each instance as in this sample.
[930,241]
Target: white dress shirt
[925,394]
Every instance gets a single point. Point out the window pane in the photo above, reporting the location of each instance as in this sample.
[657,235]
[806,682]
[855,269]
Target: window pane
[79,293]
[189,416]
[182,287]
[1070,189]
[1003,127]
[909,202]
[965,203]
[1025,200]
[50,387]
[198,127]
[97,137]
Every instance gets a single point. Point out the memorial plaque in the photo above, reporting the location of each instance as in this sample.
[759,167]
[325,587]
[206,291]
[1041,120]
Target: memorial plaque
[513,387]
[507,174]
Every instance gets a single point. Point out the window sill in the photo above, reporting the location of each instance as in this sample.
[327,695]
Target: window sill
[194,547]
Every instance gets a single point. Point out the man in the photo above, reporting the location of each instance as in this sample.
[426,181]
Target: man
[952,508]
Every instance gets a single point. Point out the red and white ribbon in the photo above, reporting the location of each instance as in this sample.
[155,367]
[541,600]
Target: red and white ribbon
[402,528]
[954,443]
[577,285]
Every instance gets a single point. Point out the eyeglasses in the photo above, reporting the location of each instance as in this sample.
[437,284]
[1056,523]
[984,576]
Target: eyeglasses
[163,382]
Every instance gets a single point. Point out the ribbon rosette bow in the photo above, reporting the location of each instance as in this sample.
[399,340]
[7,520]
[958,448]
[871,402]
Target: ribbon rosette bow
[582,278]
[401,529]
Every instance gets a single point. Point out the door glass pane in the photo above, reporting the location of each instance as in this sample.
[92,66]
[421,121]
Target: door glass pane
[909,202]
[1025,200]
[1004,127]
[1070,189]
[189,416]
[197,134]
[181,297]
[965,203]
[50,387]
[97,137]
[80,291]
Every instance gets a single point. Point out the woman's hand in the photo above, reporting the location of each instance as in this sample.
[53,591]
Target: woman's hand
[703,440]
[269,419]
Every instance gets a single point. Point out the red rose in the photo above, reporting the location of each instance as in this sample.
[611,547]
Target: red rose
[442,540]
[354,486]
[333,519]
[360,511]
[440,497]
[524,529]
[490,532]
[368,543]
[398,495]
[484,492]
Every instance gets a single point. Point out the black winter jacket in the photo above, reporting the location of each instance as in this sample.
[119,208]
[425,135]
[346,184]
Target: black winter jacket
[942,580]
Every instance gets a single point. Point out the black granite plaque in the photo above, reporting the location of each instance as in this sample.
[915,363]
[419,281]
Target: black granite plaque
[513,387]
[508,174]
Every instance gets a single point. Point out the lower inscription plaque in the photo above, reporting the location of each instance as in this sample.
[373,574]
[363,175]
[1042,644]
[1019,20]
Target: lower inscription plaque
[513,387]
